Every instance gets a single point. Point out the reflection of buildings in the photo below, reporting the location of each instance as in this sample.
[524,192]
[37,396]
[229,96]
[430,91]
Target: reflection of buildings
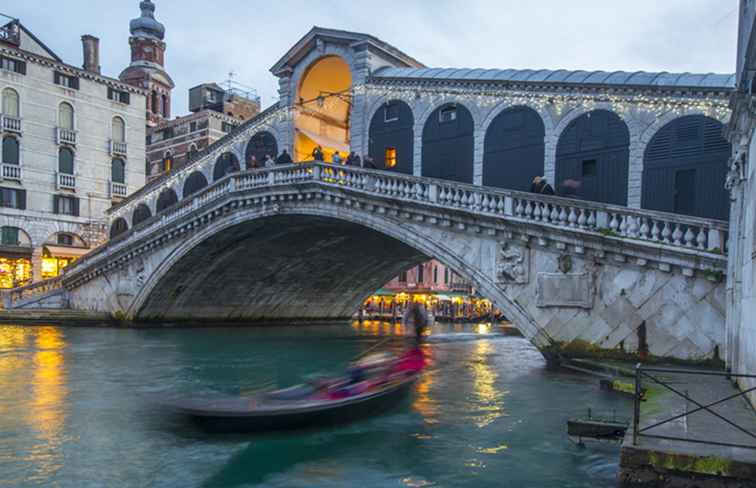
[72,142]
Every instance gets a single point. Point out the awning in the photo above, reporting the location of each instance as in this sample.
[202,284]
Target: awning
[66,252]
[324,141]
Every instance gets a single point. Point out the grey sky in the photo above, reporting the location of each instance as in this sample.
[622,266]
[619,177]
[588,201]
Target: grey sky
[207,39]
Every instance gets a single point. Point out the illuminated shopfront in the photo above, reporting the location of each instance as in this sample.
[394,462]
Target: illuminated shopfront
[55,257]
[15,271]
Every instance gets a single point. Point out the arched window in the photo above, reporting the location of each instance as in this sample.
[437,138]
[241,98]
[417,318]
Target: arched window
[258,146]
[194,183]
[166,198]
[164,106]
[141,214]
[448,144]
[11,104]
[119,130]
[66,116]
[685,167]
[119,226]
[392,137]
[118,171]
[513,149]
[154,102]
[11,150]
[592,158]
[226,164]
[66,161]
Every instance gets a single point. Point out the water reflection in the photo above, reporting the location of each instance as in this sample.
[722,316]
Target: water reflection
[424,403]
[488,396]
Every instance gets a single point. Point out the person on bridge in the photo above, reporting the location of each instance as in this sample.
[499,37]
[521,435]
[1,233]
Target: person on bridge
[353,159]
[252,162]
[336,158]
[269,163]
[416,316]
[369,163]
[540,185]
[284,158]
[317,154]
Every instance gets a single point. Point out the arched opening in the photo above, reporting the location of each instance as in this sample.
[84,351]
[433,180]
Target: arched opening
[448,143]
[260,145]
[66,161]
[118,227]
[141,214]
[513,150]
[592,158]
[392,144]
[11,103]
[166,199]
[194,183]
[118,171]
[154,102]
[11,150]
[66,116]
[685,167]
[119,130]
[323,102]
[226,164]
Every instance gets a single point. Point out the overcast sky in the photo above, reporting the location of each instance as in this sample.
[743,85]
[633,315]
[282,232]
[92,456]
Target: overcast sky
[207,39]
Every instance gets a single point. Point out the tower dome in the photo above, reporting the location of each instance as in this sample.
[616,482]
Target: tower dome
[146,25]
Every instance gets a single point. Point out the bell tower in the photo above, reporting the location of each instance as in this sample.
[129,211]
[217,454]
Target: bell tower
[147,68]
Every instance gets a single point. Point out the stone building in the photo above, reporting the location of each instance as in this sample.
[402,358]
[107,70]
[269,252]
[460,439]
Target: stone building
[741,181]
[215,111]
[72,143]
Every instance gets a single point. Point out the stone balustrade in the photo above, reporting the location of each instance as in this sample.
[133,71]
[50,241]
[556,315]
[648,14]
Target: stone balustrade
[118,148]
[66,181]
[11,172]
[13,297]
[118,190]
[65,136]
[11,124]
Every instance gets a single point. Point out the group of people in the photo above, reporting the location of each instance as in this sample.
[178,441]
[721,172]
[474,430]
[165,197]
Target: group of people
[268,161]
[352,159]
[568,188]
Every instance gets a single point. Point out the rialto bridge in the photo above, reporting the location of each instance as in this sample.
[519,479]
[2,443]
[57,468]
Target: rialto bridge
[606,269]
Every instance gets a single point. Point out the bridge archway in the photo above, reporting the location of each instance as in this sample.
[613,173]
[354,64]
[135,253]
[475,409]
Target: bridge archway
[141,213]
[259,146]
[448,143]
[685,167]
[194,183]
[323,104]
[118,227]
[226,164]
[593,158]
[514,149]
[391,137]
[166,199]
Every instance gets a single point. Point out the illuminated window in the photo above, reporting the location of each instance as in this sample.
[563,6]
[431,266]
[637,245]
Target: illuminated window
[52,265]
[390,157]
[14,272]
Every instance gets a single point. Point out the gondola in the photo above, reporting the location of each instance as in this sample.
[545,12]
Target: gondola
[301,406]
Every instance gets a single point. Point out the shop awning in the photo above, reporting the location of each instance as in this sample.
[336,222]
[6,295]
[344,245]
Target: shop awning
[324,141]
[15,252]
[66,252]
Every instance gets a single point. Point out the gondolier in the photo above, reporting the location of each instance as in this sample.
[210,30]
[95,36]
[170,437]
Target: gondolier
[416,318]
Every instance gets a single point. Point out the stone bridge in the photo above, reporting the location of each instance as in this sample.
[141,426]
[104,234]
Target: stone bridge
[312,241]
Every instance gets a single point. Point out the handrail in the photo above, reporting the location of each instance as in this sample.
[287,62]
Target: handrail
[638,431]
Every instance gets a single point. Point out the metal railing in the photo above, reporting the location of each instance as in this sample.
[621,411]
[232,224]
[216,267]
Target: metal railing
[118,148]
[66,181]
[11,171]
[11,124]
[648,373]
[65,136]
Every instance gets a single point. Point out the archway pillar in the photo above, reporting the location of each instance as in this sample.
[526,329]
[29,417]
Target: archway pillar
[549,163]
[635,174]
[479,137]
[417,157]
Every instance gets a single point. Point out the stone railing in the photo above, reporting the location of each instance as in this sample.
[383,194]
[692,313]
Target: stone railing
[118,148]
[65,136]
[118,190]
[66,181]
[11,124]
[11,172]
[12,297]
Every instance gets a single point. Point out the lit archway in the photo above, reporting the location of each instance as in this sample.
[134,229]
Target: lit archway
[324,101]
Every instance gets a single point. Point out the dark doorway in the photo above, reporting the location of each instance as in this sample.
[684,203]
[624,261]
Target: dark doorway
[448,144]
[685,191]
[392,137]
[260,145]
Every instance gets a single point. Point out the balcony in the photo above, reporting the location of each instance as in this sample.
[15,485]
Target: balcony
[118,190]
[66,181]
[11,172]
[10,33]
[11,124]
[118,148]
[66,136]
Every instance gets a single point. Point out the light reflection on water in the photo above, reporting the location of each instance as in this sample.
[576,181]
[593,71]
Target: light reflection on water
[72,411]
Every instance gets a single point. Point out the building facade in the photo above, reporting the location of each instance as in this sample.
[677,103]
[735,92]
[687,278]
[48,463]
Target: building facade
[72,143]
[741,181]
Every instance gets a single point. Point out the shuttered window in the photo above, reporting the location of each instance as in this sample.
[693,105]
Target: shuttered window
[14,65]
[10,150]
[10,236]
[119,96]
[67,81]
[65,205]
[13,198]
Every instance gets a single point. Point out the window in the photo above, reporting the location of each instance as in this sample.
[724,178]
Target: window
[14,65]
[67,81]
[65,161]
[435,275]
[119,96]
[192,126]
[227,127]
[448,114]
[390,157]
[168,133]
[65,205]
[403,277]
[13,198]
[192,151]
[118,170]
[11,106]
[10,236]
[164,106]
[119,130]
[391,112]
[210,96]
[420,274]
[154,102]
[65,239]
[446,276]
[589,167]
[148,139]
[66,116]
[10,150]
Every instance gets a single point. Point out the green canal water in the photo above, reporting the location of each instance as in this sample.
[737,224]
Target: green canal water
[74,412]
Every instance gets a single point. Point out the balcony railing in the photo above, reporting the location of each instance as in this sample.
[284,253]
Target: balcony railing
[66,136]
[118,190]
[10,34]
[66,181]
[11,171]
[11,124]
[118,148]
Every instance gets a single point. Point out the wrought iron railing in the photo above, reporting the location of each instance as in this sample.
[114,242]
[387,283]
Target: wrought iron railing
[652,374]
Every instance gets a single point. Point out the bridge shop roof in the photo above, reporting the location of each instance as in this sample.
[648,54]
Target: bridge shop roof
[563,76]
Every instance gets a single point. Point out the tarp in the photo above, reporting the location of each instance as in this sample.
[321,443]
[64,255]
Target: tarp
[66,252]
[324,141]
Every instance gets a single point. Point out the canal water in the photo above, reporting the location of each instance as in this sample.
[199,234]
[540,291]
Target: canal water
[75,411]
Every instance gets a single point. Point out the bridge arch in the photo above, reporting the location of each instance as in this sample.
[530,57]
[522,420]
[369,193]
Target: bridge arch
[141,213]
[226,164]
[260,144]
[118,227]
[356,254]
[448,143]
[193,183]
[166,199]
[391,137]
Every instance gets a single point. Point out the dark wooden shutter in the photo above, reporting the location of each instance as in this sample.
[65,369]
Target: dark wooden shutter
[21,67]
[75,206]
[110,94]
[74,83]
[126,97]
[56,204]
[21,199]
[56,78]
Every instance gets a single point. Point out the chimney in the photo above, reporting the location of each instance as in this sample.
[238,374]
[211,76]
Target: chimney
[91,46]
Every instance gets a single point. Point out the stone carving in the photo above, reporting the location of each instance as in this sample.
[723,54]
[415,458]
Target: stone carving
[564,290]
[565,263]
[512,264]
